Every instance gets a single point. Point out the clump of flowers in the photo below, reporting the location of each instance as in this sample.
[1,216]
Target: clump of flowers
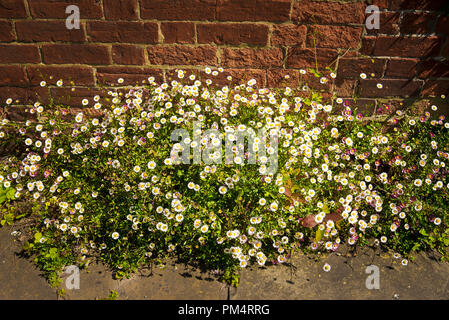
[107,184]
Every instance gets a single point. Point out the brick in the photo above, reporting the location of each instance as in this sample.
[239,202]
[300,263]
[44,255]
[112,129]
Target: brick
[382,4]
[305,58]
[178,9]
[75,96]
[368,88]
[344,87]
[182,55]
[314,83]
[367,47]
[77,75]
[13,53]
[436,88]
[289,35]
[388,23]
[13,76]
[172,74]
[308,11]
[12,9]
[253,10]
[123,31]
[417,23]
[19,113]
[407,46]
[28,95]
[334,36]
[47,9]
[249,57]
[128,54]
[445,51]
[178,32]
[7,34]
[131,76]
[234,34]
[75,53]
[401,68]
[31,31]
[239,76]
[277,78]
[349,68]
[361,106]
[442,25]
[416,5]
[433,69]
[120,10]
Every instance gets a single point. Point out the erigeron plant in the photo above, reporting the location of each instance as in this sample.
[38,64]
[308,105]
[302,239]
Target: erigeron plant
[108,186]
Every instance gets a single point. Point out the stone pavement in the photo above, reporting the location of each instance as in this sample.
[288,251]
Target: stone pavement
[424,278]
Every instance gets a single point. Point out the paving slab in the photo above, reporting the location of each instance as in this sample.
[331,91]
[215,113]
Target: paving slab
[301,279]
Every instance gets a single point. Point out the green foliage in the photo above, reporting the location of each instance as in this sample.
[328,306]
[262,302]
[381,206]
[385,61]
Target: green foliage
[108,187]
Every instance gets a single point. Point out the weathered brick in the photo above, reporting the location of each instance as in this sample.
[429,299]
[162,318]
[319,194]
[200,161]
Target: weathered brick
[239,76]
[249,57]
[279,78]
[407,46]
[70,75]
[131,76]
[120,10]
[436,88]
[253,10]
[416,4]
[361,106]
[334,36]
[89,9]
[289,35]
[417,23]
[367,47]
[391,88]
[433,69]
[128,54]
[308,11]
[351,68]
[6,34]
[182,55]
[75,96]
[235,34]
[178,32]
[314,82]
[445,51]
[442,25]
[19,113]
[75,53]
[344,87]
[123,31]
[401,68]
[178,9]
[305,58]
[16,53]
[12,9]
[388,23]
[382,4]
[172,74]
[30,31]
[13,76]
[28,95]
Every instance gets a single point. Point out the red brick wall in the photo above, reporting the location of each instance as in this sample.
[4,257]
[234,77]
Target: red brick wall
[264,39]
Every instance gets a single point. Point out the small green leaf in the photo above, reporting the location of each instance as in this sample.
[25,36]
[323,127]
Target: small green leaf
[37,236]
